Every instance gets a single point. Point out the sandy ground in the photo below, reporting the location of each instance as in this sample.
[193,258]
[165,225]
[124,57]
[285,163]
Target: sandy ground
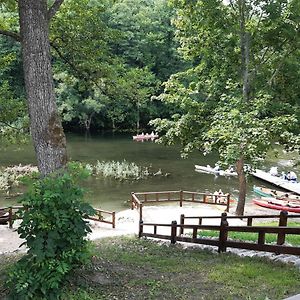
[127,222]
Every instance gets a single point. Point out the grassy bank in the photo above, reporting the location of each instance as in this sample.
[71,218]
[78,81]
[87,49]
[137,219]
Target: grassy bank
[128,268]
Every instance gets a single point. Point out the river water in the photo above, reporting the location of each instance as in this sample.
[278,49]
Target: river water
[110,194]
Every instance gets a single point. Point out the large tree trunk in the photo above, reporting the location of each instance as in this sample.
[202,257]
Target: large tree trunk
[242,186]
[245,61]
[45,124]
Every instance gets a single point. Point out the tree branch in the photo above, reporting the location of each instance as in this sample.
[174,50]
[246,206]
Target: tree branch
[54,8]
[85,77]
[11,34]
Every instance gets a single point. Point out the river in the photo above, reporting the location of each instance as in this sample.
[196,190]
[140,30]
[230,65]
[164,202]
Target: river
[110,194]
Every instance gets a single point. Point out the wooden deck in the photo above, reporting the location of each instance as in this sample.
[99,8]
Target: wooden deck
[285,184]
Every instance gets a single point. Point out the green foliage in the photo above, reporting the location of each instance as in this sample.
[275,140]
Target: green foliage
[55,232]
[215,115]
[13,120]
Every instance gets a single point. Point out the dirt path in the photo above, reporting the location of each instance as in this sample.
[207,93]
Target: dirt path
[127,222]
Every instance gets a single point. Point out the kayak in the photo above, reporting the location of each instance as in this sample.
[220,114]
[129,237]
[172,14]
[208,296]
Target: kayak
[266,192]
[210,170]
[277,204]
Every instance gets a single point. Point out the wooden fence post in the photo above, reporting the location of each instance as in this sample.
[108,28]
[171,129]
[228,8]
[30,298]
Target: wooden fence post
[132,201]
[141,228]
[181,223]
[228,202]
[173,232]
[249,221]
[283,217]
[113,219]
[223,233]
[141,211]
[181,198]
[10,216]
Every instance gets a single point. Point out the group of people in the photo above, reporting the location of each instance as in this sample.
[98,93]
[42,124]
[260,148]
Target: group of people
[220,197]
[290,175]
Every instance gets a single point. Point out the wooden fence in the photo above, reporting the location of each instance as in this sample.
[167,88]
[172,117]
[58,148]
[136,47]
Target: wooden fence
[9,214]
[222,242]
[139,199]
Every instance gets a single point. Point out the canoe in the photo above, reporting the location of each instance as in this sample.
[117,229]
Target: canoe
[145,137]
[266,192]
[277,204]
[283,183]
[211,170]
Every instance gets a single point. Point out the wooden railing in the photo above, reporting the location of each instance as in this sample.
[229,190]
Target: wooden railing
[99,217]
[10,215]
[223,229]
[139,199]
[283,218]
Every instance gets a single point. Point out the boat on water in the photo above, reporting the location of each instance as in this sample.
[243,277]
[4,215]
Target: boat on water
[145,137]
[210,170]
[277,204]
[289,185]
[266,192]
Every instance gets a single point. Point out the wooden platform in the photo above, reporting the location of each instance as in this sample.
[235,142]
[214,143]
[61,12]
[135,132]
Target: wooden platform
[283,183]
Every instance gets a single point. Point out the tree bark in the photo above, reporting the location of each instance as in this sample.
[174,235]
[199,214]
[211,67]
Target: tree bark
[245,61]
[45,124]
[242,186]
[245,50]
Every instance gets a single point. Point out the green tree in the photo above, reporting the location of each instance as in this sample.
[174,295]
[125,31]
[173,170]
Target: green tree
[146,35]
[45,125]
[229,97]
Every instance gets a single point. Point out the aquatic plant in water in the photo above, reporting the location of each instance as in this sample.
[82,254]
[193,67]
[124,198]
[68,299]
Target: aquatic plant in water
[121,170]
[10,176]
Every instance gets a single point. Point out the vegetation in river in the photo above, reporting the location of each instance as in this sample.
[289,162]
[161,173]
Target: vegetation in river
[130,268]
[121,170]
[12,176]
[124,170]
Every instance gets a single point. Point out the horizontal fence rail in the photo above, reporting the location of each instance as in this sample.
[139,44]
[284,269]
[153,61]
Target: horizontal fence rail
[139,199]
[99,217]
[282,218]
[9,214]
[222,241]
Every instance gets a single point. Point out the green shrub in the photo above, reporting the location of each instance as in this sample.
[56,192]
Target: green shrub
[55,233]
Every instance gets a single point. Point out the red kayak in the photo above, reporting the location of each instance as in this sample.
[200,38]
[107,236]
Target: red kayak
[277,204]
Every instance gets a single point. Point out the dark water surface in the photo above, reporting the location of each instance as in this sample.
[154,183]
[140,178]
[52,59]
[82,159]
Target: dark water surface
[111,194]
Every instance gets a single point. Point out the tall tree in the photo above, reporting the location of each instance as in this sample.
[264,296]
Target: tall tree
[228,97]
[45,125]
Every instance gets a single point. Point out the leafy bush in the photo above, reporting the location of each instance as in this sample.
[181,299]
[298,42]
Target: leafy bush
[55,232]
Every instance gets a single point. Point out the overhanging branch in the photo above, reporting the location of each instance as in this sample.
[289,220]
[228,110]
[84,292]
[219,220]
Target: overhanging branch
[54,8]
[11,34]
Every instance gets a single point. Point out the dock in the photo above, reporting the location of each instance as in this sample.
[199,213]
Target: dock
[280,182]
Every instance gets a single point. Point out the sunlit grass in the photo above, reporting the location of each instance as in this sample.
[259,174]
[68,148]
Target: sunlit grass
[292,239]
